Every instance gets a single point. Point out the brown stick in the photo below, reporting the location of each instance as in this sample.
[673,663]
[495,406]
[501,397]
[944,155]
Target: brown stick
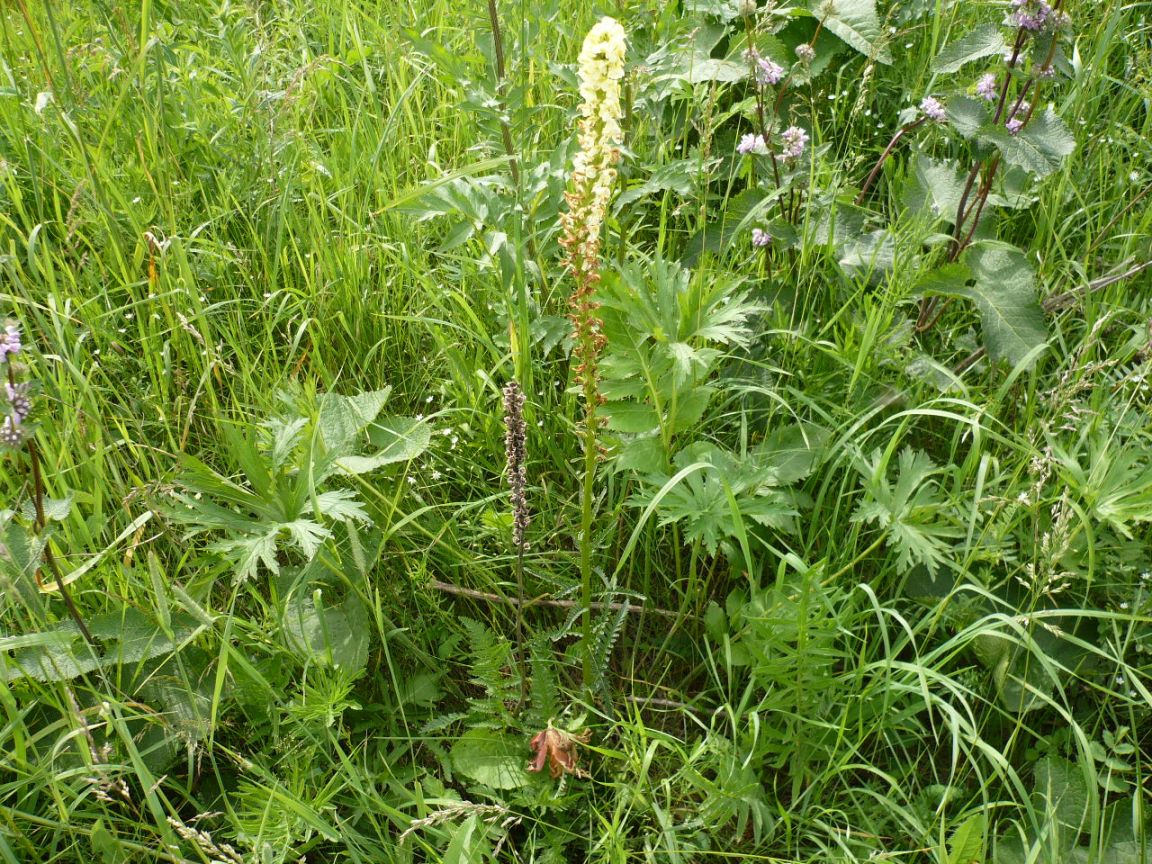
[473,594]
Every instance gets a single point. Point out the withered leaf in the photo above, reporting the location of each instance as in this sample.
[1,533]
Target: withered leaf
[557,748]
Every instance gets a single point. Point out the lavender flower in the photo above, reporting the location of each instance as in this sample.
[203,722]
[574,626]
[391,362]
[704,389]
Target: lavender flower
[986,88]
[1031,15]
[761,238]
[514,452]
[933,109]
[795,140]
[9,340]
[751,144]
[1014,126]
[18,401]
[768,72]
[805,53]
[11,433]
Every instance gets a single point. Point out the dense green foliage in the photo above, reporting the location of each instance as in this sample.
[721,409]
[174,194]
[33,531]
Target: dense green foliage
[870,487]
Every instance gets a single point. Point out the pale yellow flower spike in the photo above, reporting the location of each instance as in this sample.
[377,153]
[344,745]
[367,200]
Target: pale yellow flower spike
[594,170]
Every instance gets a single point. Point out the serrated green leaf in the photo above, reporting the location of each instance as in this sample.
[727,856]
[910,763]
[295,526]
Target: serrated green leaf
[1039,148]
[966,845]
[399,439]
[630,417]
[935,189]
[343,418]
[856,23]
[985,41]
[645,455]
[967,116]
[1012,320]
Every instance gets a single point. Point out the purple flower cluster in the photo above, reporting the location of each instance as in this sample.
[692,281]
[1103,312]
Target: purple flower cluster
[752,144]
[9,340]
[795,140]
[1019,117]
[761,238]
[768,72]
[987,88]
[19,405]
[933,109]
[1031,15]
[805,53]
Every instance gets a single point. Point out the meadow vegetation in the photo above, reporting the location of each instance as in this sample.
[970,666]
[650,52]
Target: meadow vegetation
[551,431]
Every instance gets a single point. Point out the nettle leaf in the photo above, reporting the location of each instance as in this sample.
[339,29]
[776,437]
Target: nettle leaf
[630,417]
[935,188]
[1039,148]
[1004,292]
[967,116]
[985,41]
[856,22]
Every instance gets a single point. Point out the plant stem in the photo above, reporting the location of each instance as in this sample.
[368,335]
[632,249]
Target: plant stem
[587,496]
[900,133]
[49,558]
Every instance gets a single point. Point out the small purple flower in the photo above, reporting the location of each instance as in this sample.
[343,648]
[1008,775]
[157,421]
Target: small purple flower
[1014,126]
[933,109]
[1031,15]
[1022,109]
[761,238]
[768,72]
[751,144]
[18,400]
[11,434]
[805,53]
[795,140]
[9,340]
[986,88]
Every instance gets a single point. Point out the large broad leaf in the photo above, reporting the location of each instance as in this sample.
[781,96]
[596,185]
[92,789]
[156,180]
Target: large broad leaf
[934,189]
[998,278]
[856,22]
[966,115]
[1061,783]
[334,635]
[1005,294]
[342,418]
[399,439]
[984,41]
[127,636]
[492,759]
[1039,148]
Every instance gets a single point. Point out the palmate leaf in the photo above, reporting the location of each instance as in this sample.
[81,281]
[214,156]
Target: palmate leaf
[702,503]
[916,521]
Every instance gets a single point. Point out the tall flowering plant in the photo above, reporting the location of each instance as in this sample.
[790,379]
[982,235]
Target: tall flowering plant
[590,189]
[16,434]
